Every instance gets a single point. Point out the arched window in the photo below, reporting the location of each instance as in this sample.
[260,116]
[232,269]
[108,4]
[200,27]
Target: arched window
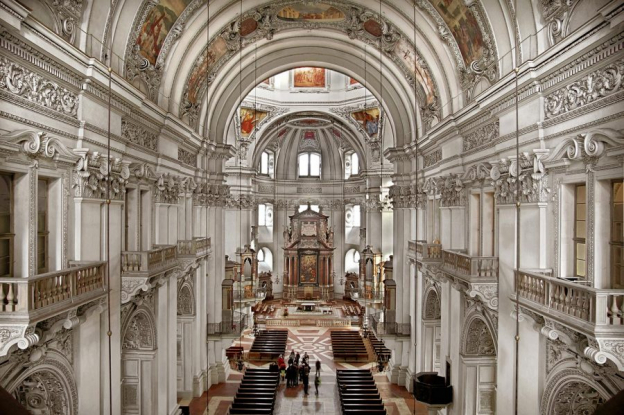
[309,165]
[267,163]
[352,164]
[261,256]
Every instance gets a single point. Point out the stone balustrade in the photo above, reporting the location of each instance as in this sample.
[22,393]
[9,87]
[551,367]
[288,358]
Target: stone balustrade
[423,251]
[196,247]
[469,268]
[42,296]
[592,308]
[149,263]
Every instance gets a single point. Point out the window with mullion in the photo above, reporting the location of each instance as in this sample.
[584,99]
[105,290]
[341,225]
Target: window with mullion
[309,165]
[617,234]
[580,231]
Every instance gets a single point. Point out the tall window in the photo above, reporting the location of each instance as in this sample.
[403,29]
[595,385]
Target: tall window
[6,225]
[617,234]
[42,226]
[352,216]
[265,215]
[580,231]
[309,165]
[267,163]
[352,164]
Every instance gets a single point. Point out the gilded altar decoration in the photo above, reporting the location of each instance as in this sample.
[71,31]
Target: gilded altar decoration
[310,12]
[250,118]
[369,118]
[308,269]
[309,78]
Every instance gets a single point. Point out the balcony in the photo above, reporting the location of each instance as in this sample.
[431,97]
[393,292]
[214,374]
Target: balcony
[193,248]
[596,313]
[384,328]
[237,325]
[26,301]
[250,295]
[423,251]
[479,273]
[139,267]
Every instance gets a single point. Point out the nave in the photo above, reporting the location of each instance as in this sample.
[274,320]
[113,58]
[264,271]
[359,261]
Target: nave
[316,341]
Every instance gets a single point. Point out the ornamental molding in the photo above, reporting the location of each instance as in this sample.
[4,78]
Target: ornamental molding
[168,189]
[139,332]
[266,189]
[187,157]
[486,292]
[573,391]
[139,135]
[603,349]
[406,196]
[207,194]
[556,15]
[24,336]
[588,147]
[432,158]
[524,180]
[431,305]
[30,86]
[356,17]
[310,189]
[246,202]
[186,298]
[452,190]
[67,15]
[37,145]
[97,174]
[595,86]
[482,136]
[478,335]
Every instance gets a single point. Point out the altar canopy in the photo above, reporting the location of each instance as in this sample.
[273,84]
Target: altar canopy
[309,257]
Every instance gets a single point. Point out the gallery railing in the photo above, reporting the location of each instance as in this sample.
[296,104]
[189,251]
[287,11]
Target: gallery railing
[235,326]
[255,294]
[43,295]
[196,247]
[425,251]
[372,295]
[149,263]
[469,268]
[381,328]
[591,308]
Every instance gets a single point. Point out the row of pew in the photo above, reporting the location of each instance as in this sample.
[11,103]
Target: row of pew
[380,349]
[358,393]
[348,345]
[268,345]
[351,311]
[256,393]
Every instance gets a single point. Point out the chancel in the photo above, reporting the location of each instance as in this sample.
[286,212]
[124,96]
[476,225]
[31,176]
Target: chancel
[311,206]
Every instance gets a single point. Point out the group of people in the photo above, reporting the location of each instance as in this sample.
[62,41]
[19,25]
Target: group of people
[298,370]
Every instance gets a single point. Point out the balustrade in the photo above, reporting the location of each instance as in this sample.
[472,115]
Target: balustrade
[426,251]
[35,295]
[469,267]
[599,307]
[193,247]
[149,262]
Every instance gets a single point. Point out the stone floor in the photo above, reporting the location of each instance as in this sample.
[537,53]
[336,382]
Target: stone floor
[292,401]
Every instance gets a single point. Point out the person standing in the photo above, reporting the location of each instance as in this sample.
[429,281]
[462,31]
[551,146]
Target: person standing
[317,382]
[305,379]
[318,368]
[295,375]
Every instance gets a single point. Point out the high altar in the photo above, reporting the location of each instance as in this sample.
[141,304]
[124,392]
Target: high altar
[309,257]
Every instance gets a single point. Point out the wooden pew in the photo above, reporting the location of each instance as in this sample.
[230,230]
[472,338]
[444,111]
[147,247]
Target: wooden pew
[358,393]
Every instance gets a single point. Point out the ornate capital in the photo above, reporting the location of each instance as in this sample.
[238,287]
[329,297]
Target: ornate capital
[96,174]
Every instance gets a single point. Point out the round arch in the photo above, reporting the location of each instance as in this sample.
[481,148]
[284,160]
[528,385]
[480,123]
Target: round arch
[477,337]
[432,309]
[571,391]
[139,332]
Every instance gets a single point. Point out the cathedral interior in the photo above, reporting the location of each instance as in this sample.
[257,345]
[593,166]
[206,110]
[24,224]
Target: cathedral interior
[422,198]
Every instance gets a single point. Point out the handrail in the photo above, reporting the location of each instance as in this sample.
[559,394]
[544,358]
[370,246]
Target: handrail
[462,264]
[148,261]
[599,306]
[425,250]
[193,247]
[52,288]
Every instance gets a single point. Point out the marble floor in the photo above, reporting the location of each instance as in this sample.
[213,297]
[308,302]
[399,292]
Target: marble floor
[292,401]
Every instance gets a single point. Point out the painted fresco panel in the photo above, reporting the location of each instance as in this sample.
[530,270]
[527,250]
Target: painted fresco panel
[464,27]
[216,51]
[369,119]
[157,25]
[309,78]
[310,12]
[405,51]
[249,119]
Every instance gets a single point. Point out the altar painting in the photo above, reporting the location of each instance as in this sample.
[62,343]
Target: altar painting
[159,21]
[310,12]
[369,119]
[309,78]
[307,269]
[250,118]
